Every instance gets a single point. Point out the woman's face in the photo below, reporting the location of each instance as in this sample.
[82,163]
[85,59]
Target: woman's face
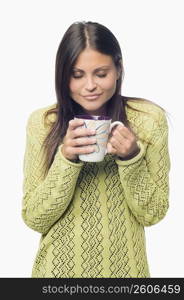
[93,81]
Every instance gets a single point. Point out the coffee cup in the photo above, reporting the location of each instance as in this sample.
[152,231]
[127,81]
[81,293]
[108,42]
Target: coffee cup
[103,127]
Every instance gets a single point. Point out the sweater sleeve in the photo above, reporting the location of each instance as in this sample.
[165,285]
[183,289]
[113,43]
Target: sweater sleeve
[145,178]
[45,200]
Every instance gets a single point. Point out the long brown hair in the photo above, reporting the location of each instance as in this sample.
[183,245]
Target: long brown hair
[78,36]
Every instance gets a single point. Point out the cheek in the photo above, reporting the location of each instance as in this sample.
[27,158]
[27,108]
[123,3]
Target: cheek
[109,84]
[74,86]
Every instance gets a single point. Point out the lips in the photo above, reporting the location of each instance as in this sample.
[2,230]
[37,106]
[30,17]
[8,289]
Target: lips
[94,96]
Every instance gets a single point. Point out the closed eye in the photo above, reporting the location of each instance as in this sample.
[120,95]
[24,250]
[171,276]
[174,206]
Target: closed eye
[76,76]
[101,75]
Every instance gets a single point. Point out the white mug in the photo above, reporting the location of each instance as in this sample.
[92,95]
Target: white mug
[103,127]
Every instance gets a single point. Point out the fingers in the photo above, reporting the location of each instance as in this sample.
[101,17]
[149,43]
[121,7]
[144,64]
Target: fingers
[122,141]
[119,137]
[75,129]
[123,131]
[82,141]
[80,150]
[78,139]
[116,135]
[82,132]
[75,123]
[114,142]
[110,149]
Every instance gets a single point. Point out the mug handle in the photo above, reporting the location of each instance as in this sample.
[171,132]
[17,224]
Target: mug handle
[112,126]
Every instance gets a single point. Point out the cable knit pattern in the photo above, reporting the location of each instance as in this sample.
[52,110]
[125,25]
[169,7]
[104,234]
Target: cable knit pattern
[92,215]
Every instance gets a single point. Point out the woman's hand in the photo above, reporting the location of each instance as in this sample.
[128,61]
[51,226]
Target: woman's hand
[122,143]
[76,140]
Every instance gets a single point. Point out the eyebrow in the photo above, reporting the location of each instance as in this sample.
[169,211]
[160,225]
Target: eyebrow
[96,70]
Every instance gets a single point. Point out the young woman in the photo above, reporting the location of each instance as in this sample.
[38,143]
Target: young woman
[92,215]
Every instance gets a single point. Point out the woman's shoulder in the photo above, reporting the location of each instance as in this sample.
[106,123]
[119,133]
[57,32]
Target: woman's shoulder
[145,109]
[146,116]
[144,105]
[36,120]
[36,123]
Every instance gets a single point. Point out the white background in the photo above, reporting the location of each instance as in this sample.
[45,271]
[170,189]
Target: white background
[150,33]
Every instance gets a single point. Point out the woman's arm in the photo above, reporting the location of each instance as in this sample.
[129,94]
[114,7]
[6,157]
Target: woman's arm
[45,200]
[145,178]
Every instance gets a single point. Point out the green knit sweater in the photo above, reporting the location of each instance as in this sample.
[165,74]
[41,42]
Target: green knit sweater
[92,215]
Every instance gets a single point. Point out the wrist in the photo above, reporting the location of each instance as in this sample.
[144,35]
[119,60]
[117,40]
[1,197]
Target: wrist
[76,160]
[131,155]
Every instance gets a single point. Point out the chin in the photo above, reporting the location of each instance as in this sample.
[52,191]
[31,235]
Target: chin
[94,108]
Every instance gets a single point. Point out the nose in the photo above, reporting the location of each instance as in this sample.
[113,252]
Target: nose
[90,84]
